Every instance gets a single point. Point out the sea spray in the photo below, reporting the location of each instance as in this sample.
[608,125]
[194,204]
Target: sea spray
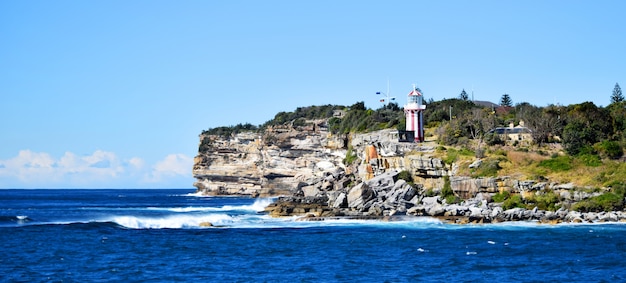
[173,221]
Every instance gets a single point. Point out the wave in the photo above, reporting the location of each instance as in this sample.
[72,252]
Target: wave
[222,218]
[259,205]
[16,218]
[196,194]
[174,221]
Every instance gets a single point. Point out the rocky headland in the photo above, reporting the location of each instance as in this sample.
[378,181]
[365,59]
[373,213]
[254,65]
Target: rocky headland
[318,175]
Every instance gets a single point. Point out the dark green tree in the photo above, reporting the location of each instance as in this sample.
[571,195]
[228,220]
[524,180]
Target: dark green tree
[618,119]
[506,100]
[358,106]
[617,94]
[587,124]
[463,95]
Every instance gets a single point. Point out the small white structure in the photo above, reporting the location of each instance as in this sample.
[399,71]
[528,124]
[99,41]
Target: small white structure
[414,114]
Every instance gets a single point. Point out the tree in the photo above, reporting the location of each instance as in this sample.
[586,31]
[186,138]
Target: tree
[545,123]
[463,95]
[506,100]
[587,124]
[617,94]
[358,106]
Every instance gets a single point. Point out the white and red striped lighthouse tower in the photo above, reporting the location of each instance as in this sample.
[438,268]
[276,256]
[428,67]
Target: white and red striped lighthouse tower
[414,116]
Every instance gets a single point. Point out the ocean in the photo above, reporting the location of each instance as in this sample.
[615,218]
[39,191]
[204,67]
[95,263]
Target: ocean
[156,235]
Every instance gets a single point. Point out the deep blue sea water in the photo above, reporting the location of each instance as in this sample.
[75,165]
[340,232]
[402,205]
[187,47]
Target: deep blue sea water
[155,236]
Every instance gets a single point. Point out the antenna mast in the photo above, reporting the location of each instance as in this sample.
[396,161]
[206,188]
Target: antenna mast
[388,98]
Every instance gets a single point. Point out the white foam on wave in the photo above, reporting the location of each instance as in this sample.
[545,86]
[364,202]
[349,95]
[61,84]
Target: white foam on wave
[196,194]
[258,206]
[186,209]
[220,220]
[173,221]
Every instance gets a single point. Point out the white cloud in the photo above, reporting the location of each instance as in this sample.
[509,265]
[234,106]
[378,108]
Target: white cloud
[100,163]
[136,163]
[101,169]
[27,164]
[172,166]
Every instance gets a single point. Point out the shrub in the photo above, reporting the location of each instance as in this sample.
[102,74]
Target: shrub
[300,122]
[508,201]
[206,143]
[452,199]
[603,202]
[609,149]
[351,156]
[545,201]
[493,139]
[513,202]
[447,193]
[406,175]
[430,193]
[557,164]
[501,196]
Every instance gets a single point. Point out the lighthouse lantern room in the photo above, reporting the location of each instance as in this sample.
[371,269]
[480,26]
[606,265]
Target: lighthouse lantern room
[414,114]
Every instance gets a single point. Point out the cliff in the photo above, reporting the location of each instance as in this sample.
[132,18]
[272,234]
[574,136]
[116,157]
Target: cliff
[319,175]
[265,164]
[281,160]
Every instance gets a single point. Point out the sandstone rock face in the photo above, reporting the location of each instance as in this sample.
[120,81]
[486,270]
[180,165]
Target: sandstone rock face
[273,163]
[279,161]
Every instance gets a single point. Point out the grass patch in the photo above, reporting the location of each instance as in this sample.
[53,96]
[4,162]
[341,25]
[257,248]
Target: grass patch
[524,158]
[466,152]
[489,168]
[452,155]
[557,164]
[590,160]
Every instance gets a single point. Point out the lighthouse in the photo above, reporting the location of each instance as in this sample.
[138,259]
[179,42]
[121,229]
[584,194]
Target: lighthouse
[414,116]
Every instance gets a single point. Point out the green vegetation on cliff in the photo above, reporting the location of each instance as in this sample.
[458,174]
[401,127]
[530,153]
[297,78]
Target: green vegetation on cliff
[580,143]
[340,119]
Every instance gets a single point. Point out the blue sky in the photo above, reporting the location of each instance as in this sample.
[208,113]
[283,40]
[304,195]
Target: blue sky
[113,94]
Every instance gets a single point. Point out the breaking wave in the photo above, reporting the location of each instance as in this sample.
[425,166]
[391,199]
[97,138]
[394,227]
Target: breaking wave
[173,221]
[258,206]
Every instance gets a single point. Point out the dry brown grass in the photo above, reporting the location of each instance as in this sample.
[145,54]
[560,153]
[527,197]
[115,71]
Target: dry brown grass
[522,163]
[524,158]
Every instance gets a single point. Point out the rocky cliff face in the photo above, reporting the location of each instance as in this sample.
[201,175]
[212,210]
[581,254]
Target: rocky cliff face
[270,163]
[280,161]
